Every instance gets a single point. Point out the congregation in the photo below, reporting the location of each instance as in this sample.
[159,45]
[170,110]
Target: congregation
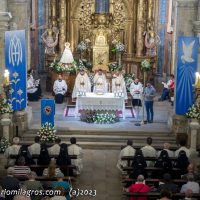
[145,170]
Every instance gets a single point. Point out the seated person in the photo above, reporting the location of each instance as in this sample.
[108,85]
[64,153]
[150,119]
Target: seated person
[169,86]
[166,147]
[74,149]
[31,72]
[61,183]
[61,196]
[12,150]
[191,185]
[32,90]
[139,187]
[190,170]
[59,88]
[167,184]
[100,83]
[55,149]
[20,169]
[149,151]
[9,182]
[165,195]
[183,147]
[34,149]
[52,170]
[127,151]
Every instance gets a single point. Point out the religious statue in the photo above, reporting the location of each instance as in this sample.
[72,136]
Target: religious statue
[151,41]
[67,57]
[50,40]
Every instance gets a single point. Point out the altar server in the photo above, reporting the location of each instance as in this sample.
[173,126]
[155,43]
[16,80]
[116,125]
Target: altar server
[82,83]
[55,149]
[59,88]
[118,84]
[100,82]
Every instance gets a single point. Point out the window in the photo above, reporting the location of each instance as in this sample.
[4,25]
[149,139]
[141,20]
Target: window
[101,6]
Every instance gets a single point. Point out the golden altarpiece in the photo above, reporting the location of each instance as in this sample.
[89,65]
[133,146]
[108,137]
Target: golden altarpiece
[126,21]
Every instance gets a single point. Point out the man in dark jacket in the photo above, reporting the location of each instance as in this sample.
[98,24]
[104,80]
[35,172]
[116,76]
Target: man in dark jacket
[10,184]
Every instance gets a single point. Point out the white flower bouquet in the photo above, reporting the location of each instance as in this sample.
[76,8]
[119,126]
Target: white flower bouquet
[4,144]
[193,112]
[47,133]
[145,65]
[5,107]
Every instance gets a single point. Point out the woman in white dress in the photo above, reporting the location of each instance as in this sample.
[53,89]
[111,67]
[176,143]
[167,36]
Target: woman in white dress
[67,57]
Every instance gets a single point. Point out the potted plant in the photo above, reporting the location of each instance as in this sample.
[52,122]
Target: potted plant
[5,107]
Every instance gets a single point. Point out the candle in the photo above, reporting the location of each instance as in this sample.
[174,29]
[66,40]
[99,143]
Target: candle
[6,77]
[197,80]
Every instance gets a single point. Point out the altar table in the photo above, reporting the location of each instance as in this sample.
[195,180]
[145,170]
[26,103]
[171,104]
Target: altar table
[107,102]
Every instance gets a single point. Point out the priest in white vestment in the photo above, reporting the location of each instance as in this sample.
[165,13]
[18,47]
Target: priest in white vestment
[59,88]
[82,83]
[55,149]
[100,83]
[118,84]
[127,151]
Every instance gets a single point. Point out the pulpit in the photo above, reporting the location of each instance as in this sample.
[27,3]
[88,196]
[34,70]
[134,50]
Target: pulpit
[100,52]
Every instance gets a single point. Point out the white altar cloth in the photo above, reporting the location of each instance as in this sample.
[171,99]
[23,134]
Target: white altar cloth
[100,102]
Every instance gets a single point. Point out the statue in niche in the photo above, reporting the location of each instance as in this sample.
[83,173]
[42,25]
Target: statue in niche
[50,39]
[101,38]
[151,41]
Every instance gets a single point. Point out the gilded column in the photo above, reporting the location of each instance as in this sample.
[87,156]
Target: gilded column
[141,23]
[62,25]
[53,13]
[150,12]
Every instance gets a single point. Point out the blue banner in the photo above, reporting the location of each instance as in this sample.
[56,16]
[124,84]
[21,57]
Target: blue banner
[15,61]
[47,111]
[185,76]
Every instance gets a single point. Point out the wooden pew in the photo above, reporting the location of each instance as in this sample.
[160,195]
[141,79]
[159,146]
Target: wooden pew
[130,158]
[66,169]
[150,169]
[44,178]
[155,195]
[37,156]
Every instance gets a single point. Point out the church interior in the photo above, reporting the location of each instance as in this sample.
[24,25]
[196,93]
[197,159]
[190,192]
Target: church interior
[99,99]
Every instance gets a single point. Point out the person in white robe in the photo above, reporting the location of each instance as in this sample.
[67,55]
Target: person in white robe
[34,149]
[59,88]
[149,151]
[100,83]
[136,90]
[82,84]
[127,151]
[183,147]
[32,90]
[166,147]
[74,149]
[118,84]
[12,150]
[55,149]
[67,57]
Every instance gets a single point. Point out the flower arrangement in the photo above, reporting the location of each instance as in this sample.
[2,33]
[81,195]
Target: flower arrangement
[114,66]
[4,144]
[128,78]
[193,112]
[82,46]
[106,118]
[118,46]
[5,107]
[47,133]
[145,65]
[57,67]
[99,117]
